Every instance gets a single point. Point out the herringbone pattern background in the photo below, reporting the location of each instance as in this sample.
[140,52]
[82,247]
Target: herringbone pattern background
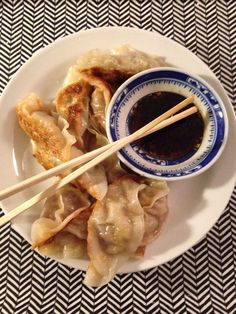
[203,280]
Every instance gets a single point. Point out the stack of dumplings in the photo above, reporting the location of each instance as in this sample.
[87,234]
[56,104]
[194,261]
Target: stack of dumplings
[107,215]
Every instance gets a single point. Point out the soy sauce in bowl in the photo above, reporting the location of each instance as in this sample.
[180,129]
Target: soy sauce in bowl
[173,142]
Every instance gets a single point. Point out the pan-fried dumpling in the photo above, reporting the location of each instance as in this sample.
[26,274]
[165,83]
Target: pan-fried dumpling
[51,140]
[72,103]
[97,116]
[99,83]
[101,94]
[110,77]
[115,66]
[123,58]
[72,76]
[53,144]
[58,211]
[115,230]
[134,61]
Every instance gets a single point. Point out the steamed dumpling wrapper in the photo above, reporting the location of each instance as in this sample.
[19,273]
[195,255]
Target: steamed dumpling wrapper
[71,241]
[64,245]
[115,230]
[94,181]
[52,143]
[93,140]
[59,209]
[130,217]
[153,199]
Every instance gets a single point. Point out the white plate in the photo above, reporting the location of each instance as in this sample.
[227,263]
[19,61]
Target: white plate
[195,204]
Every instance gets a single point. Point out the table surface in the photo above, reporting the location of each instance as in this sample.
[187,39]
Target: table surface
[202,280]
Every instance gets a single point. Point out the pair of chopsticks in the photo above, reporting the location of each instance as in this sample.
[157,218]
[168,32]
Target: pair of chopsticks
[89,160]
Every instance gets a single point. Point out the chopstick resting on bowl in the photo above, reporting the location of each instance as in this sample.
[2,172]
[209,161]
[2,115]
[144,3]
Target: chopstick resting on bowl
[95,158]
[84,158]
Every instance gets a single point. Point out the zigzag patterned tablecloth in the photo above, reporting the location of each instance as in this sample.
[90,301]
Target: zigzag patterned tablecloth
[203,280]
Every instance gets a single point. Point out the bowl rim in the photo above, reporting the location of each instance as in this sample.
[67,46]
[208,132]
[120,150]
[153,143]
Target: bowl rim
[194,76]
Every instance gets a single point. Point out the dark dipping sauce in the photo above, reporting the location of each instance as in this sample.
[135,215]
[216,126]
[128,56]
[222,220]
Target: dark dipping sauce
[173,142]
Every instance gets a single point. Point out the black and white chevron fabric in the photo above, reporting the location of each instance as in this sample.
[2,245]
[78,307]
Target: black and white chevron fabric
[203,280]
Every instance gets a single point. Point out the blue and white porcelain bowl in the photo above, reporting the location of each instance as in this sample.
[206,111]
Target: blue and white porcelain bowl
[180,82]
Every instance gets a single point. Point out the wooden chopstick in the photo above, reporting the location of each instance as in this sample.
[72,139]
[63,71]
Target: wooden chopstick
[51,172]
[173,119]
[103,154]
[83,159]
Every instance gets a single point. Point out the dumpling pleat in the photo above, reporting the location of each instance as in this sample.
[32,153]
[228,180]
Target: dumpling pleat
[115,230]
